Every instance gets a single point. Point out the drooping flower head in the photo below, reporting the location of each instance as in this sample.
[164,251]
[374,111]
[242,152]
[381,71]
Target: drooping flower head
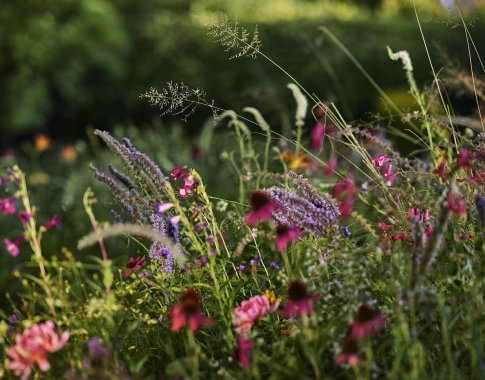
[349,352]
[299,300]
[187,311]
[367,323]
[32,348]
[261,208]
[134,264]
[284,235]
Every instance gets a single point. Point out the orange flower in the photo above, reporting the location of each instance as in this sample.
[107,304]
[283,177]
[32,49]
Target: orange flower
[42,142]
[68,153]
[296,163]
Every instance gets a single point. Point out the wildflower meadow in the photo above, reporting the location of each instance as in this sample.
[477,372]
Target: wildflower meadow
[309,246]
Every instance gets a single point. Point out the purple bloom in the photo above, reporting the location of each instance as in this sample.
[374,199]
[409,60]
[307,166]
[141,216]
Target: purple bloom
[96,350]
[241,267]
[173,230]
[7,206]
[345,231]
[54,222]
[314,213]
[143,275]
[274,266]
[203,261]
[12,323]
[209,239]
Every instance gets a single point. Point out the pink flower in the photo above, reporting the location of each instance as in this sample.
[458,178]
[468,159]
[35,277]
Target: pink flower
[415,213]
[13,246]
[345,207]
[284,235]
[177,172]
[24,217]
[187,311]
[32,348]
[463,158]
[318,134]
[7,206]
[380,161]
[349,352]
[242,351]
[388,177]
[163,207]
[402,235]
[261,208]
[134,264]
[250,311]
[190,183]
[367,323]
[54,222]
[384,227]
[344,186]
[299,300]
[331,165]
[456,205]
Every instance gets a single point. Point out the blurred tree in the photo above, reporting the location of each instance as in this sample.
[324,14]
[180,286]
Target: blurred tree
[51,53]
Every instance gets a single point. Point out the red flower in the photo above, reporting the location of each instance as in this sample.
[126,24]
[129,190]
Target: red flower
[349,352]
[299,300]
[187,311]
[242,350]
[440,171]
[134,264]
[177,172]
[415,213]
[367,323]
[402,235]
[261,208]
[384,227]
[456,205]
[463,158]
[284,235]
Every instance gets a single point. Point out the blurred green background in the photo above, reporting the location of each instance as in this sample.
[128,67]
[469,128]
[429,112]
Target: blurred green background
[68,66]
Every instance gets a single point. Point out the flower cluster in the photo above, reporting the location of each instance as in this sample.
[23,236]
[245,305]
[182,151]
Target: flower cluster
[190,184]
[380,163]
[32,348]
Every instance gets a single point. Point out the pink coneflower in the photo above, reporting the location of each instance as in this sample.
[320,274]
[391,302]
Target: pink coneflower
[134,264]
[242,350]
[463,158]
[7,206]
[456,205]
[54,222]
[318,134]
[284,235]
[187,311]
[367,323]
[32,348]
[349,352]
[24,217]
[261,208]
[299,300]
[250,311]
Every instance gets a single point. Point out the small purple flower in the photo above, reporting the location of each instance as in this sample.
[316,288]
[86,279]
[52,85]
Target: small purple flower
[143,275]
[203,261]
[96,350]
[12,323]
[209,239]
[274,266]
[173,230]
[241,267]
[212,251]
[345,231]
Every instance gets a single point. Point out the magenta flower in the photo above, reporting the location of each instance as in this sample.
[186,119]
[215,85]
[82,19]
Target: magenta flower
[331,165]
[367,323]
[299,300]
[344,187]
[242,351]
[32,348]
[388,177]
[318,134]
[7,206]
[349,352]
[54,222]
[402,235]
[261,208]
[13,246]
[456,205]
[250,311]
[415,213]
[440,171]
[463,158]
[187,311]
[284,235]
[134,264]
[345,207]
[177,172]
[380,161]
[24,217]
